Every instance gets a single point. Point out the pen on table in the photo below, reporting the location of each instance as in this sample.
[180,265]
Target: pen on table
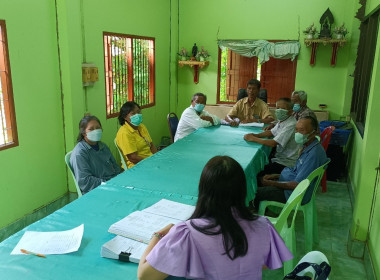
[31,253]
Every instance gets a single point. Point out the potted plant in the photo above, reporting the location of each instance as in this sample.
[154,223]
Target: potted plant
[310,31]
[202,54]
[340,31]
[183,54]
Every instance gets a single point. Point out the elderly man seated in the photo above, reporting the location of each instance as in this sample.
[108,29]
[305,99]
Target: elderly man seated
[195,117]
[278,187]
[286,147]
[250,109]
[300,109]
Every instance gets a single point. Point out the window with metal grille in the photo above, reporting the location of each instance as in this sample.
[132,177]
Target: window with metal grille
[363,70]
[129,71]
[8,131]
[277,76]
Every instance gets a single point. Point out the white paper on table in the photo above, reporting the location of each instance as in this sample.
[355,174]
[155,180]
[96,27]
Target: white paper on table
[140,225]
[171,209]
[49,243]
[254,124]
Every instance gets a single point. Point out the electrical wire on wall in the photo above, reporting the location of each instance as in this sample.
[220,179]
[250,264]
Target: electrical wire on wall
[60,82]
[374,197]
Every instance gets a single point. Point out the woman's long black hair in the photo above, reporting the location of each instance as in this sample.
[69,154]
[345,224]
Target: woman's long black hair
[125,110]
[83,125]
[222,193]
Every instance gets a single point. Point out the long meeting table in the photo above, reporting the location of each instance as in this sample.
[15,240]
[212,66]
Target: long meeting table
[177,168]
[172,173]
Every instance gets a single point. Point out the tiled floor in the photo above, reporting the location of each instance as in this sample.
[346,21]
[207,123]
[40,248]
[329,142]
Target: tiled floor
[334,220]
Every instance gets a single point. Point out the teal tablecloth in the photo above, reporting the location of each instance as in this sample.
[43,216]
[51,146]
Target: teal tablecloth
[97,210]
[173,173]
[177,168]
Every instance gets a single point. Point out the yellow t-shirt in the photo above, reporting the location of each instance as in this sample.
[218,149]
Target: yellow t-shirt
[130,140]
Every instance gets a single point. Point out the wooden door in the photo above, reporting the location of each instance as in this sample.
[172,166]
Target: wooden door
[240,70]
[278,77]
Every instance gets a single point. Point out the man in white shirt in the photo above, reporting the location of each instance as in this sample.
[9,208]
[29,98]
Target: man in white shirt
[195,117]
[286,148]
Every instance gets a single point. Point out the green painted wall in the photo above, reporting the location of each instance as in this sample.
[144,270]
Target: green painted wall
[32,174]
[82,24]
[130,17]
[270,20]
[44,128]
[364,158]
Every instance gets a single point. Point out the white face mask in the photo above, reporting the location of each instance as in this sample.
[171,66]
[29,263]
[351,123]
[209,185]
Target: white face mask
[94,135]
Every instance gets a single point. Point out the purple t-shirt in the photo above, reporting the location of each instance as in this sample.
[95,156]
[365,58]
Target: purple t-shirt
[186,252]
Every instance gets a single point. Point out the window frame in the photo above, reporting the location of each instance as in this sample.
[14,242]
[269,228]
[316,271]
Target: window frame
[364,70]
[7,88]
[130,64]
[259,70]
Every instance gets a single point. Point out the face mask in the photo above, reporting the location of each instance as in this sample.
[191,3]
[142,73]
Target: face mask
[94,135]
[296,107]
[199,107]
[136,119]
[301,138]
[281,114]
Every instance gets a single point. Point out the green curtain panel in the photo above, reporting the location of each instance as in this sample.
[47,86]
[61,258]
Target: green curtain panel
[262,48]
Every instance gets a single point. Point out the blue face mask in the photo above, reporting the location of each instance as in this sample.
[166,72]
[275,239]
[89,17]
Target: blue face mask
[199,107]
[296,107]
[281,114]
[136,119]
[94,135]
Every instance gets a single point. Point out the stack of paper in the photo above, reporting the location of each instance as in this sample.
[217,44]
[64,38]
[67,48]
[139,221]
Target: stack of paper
[135,230]
[114,247]
[252,124]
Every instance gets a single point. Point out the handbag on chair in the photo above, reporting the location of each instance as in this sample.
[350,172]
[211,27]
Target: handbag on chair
[313,266]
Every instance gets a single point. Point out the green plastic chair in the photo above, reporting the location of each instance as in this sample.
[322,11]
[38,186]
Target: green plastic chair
[310,210]
[121,155]
[67,160]
[280,223]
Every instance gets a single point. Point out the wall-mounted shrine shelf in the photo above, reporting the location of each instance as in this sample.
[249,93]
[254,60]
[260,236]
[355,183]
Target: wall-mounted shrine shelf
[315,42]
[194,64]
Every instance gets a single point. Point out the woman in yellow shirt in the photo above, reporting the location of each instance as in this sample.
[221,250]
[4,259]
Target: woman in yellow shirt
[133,138]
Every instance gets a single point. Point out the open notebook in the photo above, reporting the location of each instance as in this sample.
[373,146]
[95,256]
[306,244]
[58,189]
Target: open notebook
[135,230]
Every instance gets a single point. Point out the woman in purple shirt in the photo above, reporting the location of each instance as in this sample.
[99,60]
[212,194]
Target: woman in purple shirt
[222,239]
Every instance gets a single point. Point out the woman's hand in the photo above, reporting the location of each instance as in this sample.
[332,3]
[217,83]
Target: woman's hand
[145,270]
[166,229]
